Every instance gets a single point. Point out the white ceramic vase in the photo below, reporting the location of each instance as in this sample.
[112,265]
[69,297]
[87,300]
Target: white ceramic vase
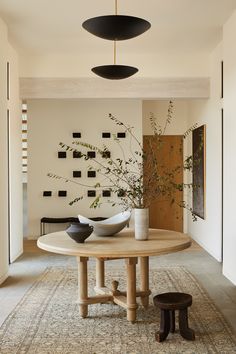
[141,224]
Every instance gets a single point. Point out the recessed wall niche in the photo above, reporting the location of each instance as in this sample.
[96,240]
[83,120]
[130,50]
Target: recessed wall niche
[106,193]
[106,154]
[91,174]
[76,174]
[106,135]
[47,193]
[91,193]
[76,155]
[76,135]
[62,193]
[121,135]
[61,154]
[91,154]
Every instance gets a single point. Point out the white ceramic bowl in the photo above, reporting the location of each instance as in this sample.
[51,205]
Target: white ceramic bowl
[110,226]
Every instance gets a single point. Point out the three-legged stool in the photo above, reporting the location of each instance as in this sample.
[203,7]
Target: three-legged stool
[168,303]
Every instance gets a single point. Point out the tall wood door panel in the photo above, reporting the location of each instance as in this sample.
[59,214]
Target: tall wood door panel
[163,214]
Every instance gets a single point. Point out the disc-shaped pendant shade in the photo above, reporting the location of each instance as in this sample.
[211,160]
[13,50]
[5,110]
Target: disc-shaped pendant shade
[116,27]
[115,72]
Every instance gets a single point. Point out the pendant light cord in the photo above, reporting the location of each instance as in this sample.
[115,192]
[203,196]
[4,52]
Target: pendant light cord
[116,12]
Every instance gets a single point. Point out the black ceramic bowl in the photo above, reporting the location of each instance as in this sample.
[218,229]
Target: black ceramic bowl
[79,231]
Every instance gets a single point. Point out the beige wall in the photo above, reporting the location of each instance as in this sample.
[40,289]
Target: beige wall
[165,65]
[52,121]
[10,224]
[229,259]
[208,232]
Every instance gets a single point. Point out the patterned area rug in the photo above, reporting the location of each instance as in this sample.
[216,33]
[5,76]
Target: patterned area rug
[47,321]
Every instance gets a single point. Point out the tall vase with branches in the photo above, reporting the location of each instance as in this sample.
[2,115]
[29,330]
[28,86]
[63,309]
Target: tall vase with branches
[123,175]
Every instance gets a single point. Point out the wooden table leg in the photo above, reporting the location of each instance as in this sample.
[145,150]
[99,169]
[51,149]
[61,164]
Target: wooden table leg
[144,281]
[100,273]
[83,284]
[131,289]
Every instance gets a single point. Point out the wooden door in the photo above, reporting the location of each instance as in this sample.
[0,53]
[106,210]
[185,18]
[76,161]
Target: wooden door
[164,214]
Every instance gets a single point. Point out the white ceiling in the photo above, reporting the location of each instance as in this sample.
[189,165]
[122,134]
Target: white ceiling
[54,26]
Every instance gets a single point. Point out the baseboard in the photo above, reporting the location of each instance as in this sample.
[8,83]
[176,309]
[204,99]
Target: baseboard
[17,255]
[3,278]
[229,276]
[219,259]
[32,237]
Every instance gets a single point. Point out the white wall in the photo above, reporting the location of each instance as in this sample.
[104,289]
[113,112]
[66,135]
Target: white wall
[15,168]
[7,54]
[165,65]
[159,108]
[208,232]
[229,247]
[3,149]
[52,121]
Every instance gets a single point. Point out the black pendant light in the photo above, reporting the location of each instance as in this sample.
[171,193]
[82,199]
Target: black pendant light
[116,27]
[114,72]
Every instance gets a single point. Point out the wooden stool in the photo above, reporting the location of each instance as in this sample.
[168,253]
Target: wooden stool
[168,303]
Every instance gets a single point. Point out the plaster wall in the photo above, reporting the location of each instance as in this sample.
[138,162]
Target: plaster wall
[162,65]
[3,149]
[208,232]
[229,234]
[52,121]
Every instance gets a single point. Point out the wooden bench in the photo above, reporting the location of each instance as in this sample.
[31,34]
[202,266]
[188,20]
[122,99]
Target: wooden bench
[49,220]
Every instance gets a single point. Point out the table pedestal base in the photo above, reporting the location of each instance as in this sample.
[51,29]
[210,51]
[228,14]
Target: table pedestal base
[126,299]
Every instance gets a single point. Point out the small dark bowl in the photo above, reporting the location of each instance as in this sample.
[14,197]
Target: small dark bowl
[79,231]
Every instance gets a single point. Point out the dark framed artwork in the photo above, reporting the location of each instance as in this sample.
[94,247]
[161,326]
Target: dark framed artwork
[76,174]
[106,193]
[91,174]
[91,154]
[47,193]
[91,193]
[62,193]
[199,170]
[61,154]
[121,135]
[106,135]
[76,135]
[76,154]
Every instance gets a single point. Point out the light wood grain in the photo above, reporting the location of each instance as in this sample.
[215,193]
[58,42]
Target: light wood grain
[119,246]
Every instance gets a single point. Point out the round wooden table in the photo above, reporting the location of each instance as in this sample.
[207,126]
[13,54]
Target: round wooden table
[123,245]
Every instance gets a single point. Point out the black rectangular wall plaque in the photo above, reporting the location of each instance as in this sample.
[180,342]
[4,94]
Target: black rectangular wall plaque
[106,135]
[76,154]
[121,193]
[106,154]
[91,193]
[61,154]
[198,148]
[106,193]
[121,135]
[91,173]
[76,135]
[47,193]
[91,154]
[76,174]
[62,193]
